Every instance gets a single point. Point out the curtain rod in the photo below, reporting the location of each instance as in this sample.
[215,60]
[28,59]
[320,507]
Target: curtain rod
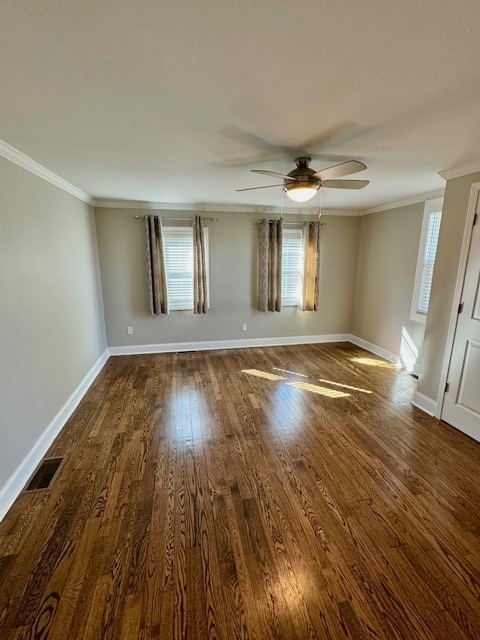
[175,218]
[322,224]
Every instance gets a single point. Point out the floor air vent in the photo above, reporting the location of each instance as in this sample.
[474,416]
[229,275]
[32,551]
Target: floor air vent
[44,475]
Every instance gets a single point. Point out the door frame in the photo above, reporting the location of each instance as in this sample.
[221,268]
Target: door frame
[462,268]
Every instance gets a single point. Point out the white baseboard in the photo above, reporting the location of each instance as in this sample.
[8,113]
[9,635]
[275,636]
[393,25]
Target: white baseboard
[169,347]
[208,345]
[17,481]
[424,403]
[373,348]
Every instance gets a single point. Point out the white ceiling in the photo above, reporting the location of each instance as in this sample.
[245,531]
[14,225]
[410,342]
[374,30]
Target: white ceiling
[147,100]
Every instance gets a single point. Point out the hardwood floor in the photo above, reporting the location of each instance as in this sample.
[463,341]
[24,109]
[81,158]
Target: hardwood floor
[289,492]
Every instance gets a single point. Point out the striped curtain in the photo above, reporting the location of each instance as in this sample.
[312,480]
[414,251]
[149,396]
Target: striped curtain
[199,268]
[270,240]
[157,279]
[311,252]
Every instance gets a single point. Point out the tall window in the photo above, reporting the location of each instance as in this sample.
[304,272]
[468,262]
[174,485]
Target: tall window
[432,218]
[292,267]
[178,250]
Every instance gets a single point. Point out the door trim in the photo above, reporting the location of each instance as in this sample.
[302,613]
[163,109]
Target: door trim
[462,267]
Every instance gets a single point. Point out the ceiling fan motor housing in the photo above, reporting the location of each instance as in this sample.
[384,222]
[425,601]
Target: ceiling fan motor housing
[302,175]
[303,161]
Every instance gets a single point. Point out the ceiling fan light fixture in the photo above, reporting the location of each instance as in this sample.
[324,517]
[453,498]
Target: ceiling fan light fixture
[301,192]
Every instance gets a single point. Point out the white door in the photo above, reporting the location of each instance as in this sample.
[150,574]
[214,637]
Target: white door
[461,406]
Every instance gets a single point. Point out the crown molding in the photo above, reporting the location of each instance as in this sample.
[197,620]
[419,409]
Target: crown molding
[462,170]
[396,204]
[22,160]
[106,203]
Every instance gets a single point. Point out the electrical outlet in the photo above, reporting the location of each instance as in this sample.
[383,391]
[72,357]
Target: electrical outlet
[244,326]
[130,331]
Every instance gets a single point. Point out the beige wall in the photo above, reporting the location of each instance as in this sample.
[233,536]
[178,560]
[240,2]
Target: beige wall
[233,248]
[454,215]
[387,259]
[51,309]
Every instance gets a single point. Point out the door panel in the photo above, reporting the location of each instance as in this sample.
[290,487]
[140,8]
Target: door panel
[461,406]
[468,393]
[476,311]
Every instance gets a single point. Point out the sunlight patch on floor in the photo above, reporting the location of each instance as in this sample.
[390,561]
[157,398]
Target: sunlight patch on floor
[344,386]
[294,373]
[304,386]
[262,374]
[315,388]
[373,362]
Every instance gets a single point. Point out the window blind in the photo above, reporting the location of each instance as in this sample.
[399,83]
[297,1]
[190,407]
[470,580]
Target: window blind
[292,267]
[431,242]
[178,250]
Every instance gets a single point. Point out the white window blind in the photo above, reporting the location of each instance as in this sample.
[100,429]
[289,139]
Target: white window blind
[292,267]
[429,254]
[178,249]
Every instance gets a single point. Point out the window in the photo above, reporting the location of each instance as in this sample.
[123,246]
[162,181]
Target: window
[432,218]
[178,250]
[292,267]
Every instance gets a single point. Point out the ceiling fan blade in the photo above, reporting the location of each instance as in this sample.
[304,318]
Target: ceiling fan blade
[269,158]
[248,139]
[342,169]
[321,140]
[266,158]
[345,184]
[267,186]
[274,173]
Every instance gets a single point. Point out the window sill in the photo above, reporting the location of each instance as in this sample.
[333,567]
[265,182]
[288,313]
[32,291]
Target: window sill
[419,317]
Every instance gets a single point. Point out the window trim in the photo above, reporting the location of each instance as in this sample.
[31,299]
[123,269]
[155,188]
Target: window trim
[185,230]
[435,205]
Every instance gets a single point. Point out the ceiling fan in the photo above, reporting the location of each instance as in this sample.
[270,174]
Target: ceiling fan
[302,183]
